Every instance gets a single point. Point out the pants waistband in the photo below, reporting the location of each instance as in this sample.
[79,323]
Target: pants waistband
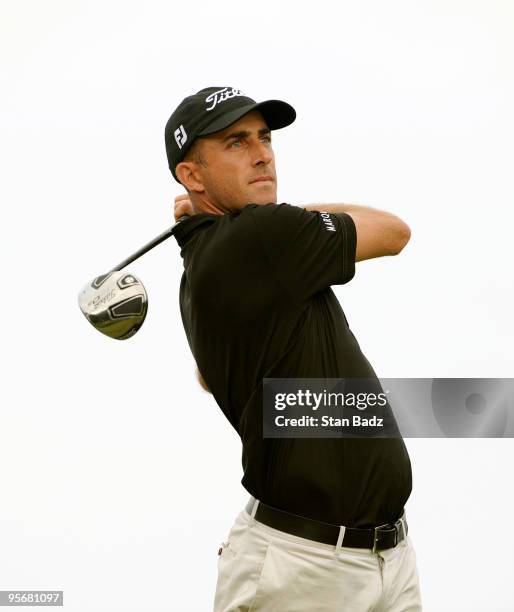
[376,538]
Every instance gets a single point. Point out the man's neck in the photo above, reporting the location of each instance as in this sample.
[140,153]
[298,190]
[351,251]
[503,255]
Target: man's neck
[203,205]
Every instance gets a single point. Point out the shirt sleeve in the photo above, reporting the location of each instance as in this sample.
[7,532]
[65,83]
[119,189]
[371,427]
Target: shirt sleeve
[308,251]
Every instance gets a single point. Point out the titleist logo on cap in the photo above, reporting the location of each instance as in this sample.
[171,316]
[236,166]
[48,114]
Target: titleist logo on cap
[221,95]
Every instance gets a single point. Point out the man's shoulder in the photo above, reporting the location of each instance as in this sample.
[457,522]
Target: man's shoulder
[239,229]
[267,209]
[252,218]
[273,213]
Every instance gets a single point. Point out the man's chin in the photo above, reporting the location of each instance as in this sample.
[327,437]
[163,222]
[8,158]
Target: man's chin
[263,192]
[267,196]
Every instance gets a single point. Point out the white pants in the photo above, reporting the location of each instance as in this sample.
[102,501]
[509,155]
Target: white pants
[261,568]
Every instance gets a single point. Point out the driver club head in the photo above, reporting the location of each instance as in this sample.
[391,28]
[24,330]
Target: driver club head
[115,304]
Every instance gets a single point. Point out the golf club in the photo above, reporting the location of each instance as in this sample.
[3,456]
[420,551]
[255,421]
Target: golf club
[116,303]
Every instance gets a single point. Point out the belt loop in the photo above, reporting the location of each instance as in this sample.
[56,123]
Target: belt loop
[254,510]
[403,528]
[340,537]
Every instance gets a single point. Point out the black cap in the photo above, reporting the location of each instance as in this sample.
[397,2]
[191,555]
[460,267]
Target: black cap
[213,109]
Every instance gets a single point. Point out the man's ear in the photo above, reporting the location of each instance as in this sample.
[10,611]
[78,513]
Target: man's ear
[188,174]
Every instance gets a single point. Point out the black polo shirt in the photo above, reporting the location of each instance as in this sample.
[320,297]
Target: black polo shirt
[256,303]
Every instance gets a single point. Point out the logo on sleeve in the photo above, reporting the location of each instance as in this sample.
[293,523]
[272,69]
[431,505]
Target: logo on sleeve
[327,220]
[180,136]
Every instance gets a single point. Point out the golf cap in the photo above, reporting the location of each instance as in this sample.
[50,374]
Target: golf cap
[213,109]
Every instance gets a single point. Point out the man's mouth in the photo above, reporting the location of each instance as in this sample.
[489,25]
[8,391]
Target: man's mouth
[262,178]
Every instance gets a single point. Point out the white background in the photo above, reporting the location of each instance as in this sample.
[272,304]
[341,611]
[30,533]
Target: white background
[119,476]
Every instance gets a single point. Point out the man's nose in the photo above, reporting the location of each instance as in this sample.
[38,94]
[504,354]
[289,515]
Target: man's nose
[262,154]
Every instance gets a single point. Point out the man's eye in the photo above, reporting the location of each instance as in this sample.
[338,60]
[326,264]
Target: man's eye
[235,142]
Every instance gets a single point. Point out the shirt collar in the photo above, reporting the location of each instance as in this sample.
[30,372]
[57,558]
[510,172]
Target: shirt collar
[184,229]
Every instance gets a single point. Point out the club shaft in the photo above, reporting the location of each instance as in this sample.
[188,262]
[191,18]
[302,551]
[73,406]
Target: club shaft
[150,245]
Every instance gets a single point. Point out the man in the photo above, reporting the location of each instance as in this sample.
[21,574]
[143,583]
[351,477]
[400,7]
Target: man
[256,303]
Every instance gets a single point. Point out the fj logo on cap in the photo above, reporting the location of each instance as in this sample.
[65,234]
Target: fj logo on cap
[222,95]
[180,136]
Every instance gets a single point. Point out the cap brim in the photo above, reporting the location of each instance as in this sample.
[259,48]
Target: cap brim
[276,113]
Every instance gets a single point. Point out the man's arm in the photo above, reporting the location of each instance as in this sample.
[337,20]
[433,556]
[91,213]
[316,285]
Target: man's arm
[379,233]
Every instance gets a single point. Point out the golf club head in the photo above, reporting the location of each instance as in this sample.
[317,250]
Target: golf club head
[115,304]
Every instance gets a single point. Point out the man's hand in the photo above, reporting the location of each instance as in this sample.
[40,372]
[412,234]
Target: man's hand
[183,207]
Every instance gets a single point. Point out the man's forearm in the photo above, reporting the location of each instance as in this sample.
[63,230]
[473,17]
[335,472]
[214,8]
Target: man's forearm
[336,208]
[374,215]
[379,232]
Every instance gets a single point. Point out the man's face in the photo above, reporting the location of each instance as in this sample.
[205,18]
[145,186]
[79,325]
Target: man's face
[239,164]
